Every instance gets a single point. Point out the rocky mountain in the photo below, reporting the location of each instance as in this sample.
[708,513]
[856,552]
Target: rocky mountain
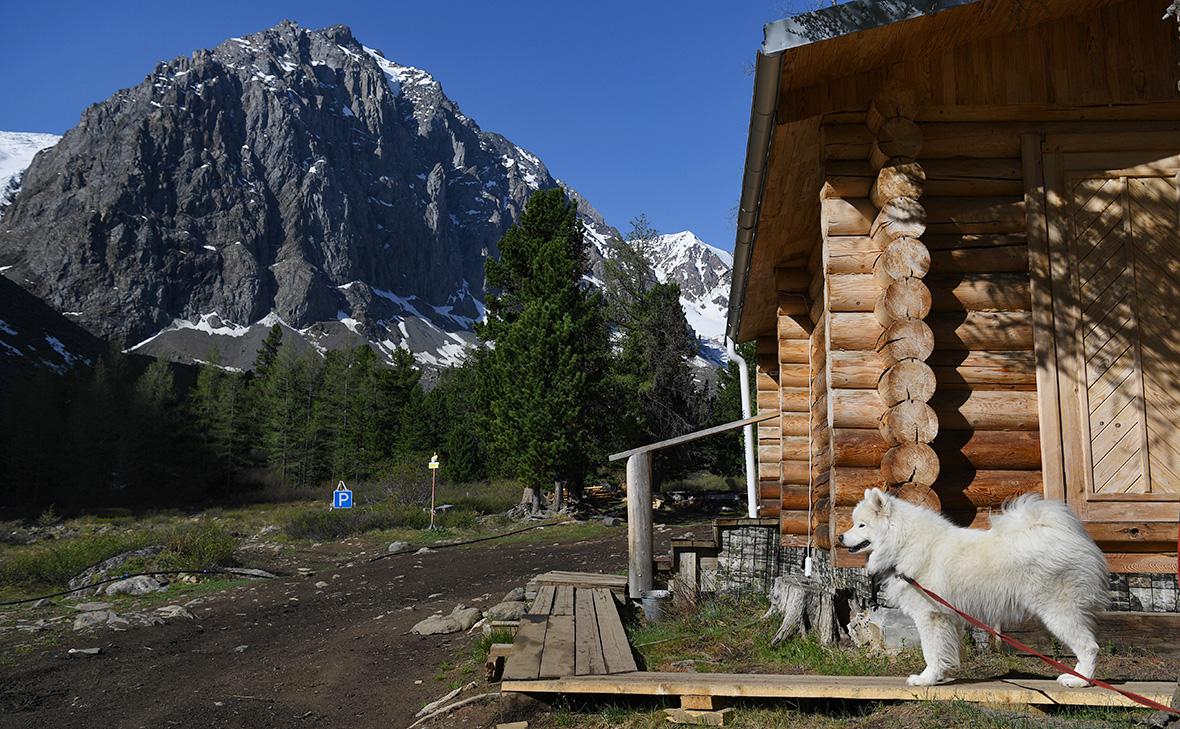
[17,150]
[703,273]
[292,176]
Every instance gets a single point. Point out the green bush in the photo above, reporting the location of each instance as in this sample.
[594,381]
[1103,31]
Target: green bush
[56,562]
[325,525]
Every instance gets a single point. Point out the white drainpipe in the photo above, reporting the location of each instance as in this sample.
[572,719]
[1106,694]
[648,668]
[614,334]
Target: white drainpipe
[747,431]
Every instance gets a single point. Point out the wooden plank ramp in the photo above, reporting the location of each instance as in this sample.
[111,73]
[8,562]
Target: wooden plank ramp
[867,688]
[571,629]
[614,583]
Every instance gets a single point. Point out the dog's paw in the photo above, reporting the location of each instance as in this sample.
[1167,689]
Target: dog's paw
[919,679]
[1069,681]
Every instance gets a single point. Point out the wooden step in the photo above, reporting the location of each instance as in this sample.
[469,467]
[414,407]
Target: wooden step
[866,688]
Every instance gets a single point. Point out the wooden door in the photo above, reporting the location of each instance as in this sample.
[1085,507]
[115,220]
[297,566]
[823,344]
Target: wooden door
[1114,247]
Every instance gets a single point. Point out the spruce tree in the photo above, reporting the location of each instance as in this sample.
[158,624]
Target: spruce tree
[268,353]
[550,349]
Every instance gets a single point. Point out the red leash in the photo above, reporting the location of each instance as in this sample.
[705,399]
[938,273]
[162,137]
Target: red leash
[1055,663]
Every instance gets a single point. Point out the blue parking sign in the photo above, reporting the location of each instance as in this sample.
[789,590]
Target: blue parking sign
[342,497]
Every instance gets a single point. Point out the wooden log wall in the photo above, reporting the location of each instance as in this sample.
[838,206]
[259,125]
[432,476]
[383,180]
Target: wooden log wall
[793,332]
[770,451]
[906,383]
[972,398]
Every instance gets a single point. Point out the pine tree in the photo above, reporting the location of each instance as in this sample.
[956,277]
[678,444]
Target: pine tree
[654,370]
[268,353]
[550,349]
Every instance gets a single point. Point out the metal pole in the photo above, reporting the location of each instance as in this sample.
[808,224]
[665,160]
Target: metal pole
[433,476]
[747,431]
[639,536]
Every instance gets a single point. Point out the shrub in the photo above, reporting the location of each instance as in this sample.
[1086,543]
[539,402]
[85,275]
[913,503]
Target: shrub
[325,525]
[56,562]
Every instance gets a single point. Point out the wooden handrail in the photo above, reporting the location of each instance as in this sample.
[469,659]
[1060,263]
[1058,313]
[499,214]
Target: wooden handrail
[689,437]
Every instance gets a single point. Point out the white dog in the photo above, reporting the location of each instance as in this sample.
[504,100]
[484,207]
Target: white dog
[1036,560]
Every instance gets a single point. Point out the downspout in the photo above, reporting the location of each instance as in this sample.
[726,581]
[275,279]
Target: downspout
[748,430]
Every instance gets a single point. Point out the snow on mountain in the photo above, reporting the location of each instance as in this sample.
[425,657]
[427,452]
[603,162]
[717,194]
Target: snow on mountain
[703,273]
[17,150]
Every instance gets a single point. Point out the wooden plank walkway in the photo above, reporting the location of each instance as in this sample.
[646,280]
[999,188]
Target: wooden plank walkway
[614,583]
[571,629]
[869,688]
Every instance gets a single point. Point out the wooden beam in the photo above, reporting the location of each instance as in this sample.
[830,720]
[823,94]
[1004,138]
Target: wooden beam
[639,534]
[689,437]
[863,688]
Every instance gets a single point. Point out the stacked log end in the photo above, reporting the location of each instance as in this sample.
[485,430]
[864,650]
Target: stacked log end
[907,383]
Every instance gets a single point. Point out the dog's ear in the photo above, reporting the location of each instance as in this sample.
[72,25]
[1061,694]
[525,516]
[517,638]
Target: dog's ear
[875,499]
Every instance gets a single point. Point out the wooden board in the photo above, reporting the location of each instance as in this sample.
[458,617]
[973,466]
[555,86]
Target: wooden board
[616,651]
[544,600]
[588,659]
[563,600]
[616,583]
[557,658]
[868,688]
[525,661]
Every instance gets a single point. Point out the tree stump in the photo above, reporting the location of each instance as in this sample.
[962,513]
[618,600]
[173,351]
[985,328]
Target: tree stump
[806,607]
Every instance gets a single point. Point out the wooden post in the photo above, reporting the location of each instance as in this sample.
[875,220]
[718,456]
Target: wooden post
[639,542]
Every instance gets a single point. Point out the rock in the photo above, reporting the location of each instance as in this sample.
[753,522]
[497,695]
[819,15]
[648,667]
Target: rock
[321,585]
[83,607]
[884,629]
[248,572]
[43,602]
[240,648]
[465,616]
[424,550]
[611,521]
[516,594]
[398,547]
[94,618]
[83,652]
[135,586]
[173,611]
[100,570]
[436,625]
[461,618]
[508,610]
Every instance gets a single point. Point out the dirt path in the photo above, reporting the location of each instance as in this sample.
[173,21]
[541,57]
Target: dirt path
[340,656]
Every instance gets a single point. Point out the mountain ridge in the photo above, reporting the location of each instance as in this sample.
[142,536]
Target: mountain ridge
[290,176]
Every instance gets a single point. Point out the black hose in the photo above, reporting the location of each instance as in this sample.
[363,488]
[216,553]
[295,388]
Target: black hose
[213,571]
[468,541]
[210,571]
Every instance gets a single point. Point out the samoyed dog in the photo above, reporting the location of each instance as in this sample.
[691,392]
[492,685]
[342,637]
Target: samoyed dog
[1036,560]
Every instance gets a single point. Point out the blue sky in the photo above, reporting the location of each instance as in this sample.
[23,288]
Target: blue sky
[642,106]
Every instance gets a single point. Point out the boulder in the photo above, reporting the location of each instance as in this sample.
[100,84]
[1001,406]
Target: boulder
[514,595]
[611,521]
[94,618]
[398,547]
[884,629]
[173,611]
[461,618]
[139,585]
[466,617]
[83,607]
[507,610]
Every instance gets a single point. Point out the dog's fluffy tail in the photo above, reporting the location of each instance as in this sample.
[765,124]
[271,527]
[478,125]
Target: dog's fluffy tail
[1053,532]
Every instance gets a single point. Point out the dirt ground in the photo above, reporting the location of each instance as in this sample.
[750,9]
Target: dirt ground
[282,653]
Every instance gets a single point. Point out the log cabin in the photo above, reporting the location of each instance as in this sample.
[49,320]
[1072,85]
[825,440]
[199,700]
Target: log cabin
[958,253]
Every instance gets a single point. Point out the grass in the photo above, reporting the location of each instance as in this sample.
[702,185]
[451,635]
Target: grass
[725,635]
[53,563]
